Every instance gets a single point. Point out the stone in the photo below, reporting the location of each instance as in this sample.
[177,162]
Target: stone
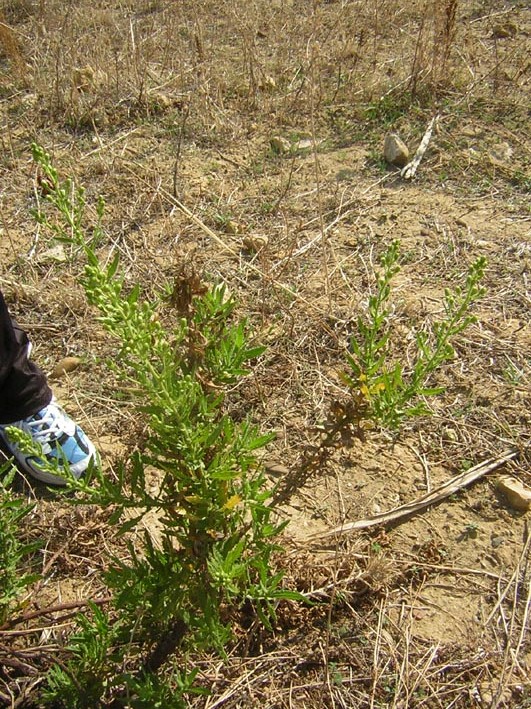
[255,243]
[83,78]
[55,253]
[276,469]
[450,434]
[497,541]
[233,227]
[504,30]
[489,694]
[279,145]
[516,493]
[65,365]
[395,150]
[268,84]
[501,152]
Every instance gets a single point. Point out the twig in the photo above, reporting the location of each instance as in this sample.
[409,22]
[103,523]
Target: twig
[106,146]
[440,493]
[518,582]
[408,172]
[53,609]
[425,467]
[178,149]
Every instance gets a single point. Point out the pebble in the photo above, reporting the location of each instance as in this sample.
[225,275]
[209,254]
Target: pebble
[517,495]
[255,243]
[268,84]
[450,434]
[502,152]
[395,150]
[279,145]
[65,365]
[55,253]
[504,30]
[276,469]
[232,227]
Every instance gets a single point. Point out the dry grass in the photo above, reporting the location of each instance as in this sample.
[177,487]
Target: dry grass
[167,109]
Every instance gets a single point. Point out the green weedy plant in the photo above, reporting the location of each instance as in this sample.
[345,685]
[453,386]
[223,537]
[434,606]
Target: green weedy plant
[216,536]
[383,392]
[13,553]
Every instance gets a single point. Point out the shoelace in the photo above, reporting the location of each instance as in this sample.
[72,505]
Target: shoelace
[46,428]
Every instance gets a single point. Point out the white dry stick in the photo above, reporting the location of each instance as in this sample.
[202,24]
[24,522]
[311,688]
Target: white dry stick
[408,172]
[421,503]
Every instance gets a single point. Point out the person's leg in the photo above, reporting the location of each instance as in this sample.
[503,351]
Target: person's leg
[27,404]
[23,387]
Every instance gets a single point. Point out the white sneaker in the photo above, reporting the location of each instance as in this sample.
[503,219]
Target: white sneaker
[60,439]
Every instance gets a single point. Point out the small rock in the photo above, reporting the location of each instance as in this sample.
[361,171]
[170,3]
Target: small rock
[255,243]
[83,78]
[279,145]
[306,143]
[517,495]
[55,253]
[497,541]
[268,84]
[395,150]
[502,152]
[276,469]
[65,365]
[450,434]
[232,227]
[159,101]
[504,30]
[489,693]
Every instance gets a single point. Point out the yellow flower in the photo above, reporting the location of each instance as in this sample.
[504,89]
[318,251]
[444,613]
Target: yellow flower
[232,502]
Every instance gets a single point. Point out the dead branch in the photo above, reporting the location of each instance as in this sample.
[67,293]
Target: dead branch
[440,493]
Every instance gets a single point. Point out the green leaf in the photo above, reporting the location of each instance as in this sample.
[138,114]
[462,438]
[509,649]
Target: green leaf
[127,526]
[433,391]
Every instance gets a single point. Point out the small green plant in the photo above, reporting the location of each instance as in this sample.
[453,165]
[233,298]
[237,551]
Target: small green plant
[213,552]
[385,392]
[513,373]
[388,109]
[89,647]
[14,553]
[470,531]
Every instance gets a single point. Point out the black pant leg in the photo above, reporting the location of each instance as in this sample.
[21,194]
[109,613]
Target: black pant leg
[23,386]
